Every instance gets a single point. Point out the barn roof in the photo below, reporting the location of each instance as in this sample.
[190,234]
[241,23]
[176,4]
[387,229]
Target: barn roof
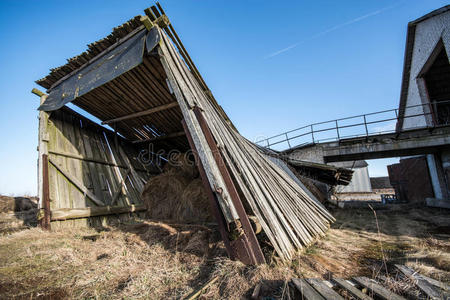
[141,81]
[410,39]
[94,49]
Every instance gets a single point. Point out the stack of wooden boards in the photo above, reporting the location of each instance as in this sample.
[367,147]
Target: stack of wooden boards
[367,289]
[289,216]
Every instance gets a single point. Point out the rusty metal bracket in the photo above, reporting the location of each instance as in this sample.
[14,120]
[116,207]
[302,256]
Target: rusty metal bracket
[246,243]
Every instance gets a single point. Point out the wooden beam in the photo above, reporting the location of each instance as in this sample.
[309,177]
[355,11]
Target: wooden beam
[351,289]
[121,188]
[432,288]
[77,213]
[77,183]
[202,289]
[42,148]
[161,138]
[377,289]
[37,92]
[307,291]
[251,243]
[143,113]
[147,23]
[323,289]
[45,221]
[99,161]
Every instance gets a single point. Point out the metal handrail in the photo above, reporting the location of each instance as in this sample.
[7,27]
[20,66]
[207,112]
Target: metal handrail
[338,135]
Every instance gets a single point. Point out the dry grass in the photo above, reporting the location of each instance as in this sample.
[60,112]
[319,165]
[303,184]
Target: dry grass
[160,261]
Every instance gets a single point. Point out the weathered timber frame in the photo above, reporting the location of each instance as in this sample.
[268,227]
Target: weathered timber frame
[141,80]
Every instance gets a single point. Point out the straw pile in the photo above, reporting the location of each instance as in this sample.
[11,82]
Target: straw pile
[177,194]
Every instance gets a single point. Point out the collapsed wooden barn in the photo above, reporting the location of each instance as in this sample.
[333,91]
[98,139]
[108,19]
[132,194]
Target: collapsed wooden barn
[141,81]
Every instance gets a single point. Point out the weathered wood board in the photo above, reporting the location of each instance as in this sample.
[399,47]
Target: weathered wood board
[87,168]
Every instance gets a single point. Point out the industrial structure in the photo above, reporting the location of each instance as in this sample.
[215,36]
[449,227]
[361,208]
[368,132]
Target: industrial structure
[420,125]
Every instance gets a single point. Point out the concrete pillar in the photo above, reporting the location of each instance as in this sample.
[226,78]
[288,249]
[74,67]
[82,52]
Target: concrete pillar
[434,176]
[439,167]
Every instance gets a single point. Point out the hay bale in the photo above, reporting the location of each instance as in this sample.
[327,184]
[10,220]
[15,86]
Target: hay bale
[174,197]
[162,194]
[194,205]
[182,164]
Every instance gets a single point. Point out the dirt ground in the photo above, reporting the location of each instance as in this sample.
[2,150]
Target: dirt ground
[159,261]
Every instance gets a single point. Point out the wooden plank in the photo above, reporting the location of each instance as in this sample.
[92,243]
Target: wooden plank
[52,172]
[100,170]
[256,291]
[78,124]
[355,292]
[42,144]
[432,288]
[62,188]
[185,99]
[161,138]
[45,221]
[120,190]
[323,289]
[143,113]
[256,256]
[77,183]
[77,198]
[94,178]
[377,289]
[88,159]
[134,175]
[76,213]
[307,291]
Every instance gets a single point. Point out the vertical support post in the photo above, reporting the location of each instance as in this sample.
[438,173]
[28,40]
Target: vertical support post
[337,130]
[365,125]
[215,208]
[312,133]
[44,222]
[43,152]
[246,245]
[287,140]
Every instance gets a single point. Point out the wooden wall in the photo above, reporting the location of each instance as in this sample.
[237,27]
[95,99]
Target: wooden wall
[89,167]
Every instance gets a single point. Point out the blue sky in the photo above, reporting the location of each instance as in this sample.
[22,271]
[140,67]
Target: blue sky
[273,65]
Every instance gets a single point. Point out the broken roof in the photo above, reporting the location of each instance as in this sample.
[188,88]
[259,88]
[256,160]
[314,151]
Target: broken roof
[147,88]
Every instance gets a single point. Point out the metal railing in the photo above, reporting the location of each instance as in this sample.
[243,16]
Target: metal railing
[380,122]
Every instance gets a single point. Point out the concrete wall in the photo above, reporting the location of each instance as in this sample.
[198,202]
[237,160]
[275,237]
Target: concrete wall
[313,153]
[360,182]
[428,34]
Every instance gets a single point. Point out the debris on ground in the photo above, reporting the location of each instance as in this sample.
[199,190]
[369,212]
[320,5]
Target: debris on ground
[156,259]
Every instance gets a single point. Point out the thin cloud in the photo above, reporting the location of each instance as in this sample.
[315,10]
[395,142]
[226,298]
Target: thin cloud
[339,26]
